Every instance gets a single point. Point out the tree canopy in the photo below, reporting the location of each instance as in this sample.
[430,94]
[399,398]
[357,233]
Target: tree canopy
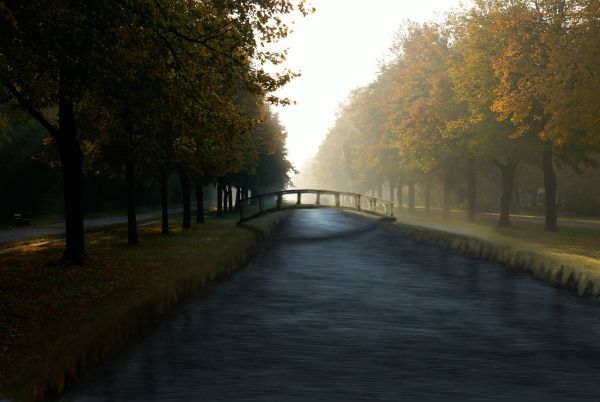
[503,83]
[148,87]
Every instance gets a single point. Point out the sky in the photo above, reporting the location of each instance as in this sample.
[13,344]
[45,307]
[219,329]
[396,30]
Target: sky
[337,49]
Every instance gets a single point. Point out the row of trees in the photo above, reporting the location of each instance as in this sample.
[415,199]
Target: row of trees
[501,82]
[146,88]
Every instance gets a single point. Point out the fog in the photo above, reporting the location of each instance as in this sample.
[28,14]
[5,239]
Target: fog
[461,112]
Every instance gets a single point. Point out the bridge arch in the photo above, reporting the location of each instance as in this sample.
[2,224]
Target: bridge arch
[260,204]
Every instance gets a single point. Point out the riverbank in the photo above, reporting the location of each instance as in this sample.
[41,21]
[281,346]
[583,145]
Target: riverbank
[56,319]
[569,258]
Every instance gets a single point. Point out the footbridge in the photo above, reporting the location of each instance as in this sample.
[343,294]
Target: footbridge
[260,204]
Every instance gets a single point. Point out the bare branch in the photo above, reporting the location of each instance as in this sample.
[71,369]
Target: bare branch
[25,104]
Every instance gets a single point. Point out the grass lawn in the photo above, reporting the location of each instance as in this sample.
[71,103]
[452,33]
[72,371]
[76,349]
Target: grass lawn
[573,240]
[578,246]
[47,307]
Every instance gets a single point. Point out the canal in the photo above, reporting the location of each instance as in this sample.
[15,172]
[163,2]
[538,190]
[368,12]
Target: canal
[340,307]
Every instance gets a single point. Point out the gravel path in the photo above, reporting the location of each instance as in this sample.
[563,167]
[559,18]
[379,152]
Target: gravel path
[34,232]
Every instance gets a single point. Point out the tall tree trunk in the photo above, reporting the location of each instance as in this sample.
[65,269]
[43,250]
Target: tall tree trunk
[400,192]
[380,190]
[447,192]
[508,175]
[551,224]
[132,232]
[427,195]
[411,196]
[164,203]
[230,197]
[186,199]
[471,189]
[238,197]
[219,198]
[71,161]
[199,202]
[225,197]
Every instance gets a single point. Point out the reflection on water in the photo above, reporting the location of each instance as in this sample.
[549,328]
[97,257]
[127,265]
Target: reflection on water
[372,316]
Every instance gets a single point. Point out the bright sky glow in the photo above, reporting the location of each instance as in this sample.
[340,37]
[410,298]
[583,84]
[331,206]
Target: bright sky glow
[338,49]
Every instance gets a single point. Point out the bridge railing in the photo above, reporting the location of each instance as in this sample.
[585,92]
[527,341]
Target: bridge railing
[257,205]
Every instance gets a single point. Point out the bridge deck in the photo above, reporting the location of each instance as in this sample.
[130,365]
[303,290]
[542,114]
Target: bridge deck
[260,204]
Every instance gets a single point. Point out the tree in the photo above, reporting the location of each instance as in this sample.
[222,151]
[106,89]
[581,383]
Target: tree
[47,55]
[52,52]
[474,80]
[427,104]
[540,88]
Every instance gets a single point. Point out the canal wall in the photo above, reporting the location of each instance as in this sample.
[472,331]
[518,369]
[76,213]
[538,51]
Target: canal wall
[74,352]
[577,273]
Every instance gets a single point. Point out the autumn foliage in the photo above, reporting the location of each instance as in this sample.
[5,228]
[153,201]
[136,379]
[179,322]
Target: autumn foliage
[497,85]
[143,88]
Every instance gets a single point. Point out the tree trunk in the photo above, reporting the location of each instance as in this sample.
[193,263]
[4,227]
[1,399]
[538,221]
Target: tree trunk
[164,203]
[219,198]
[447,193]
[427,195]
[186,199]
[225,197]
[132,232]
[508,175]
[551,224]
[380,190]
[71,161]
[471,190]
[199,202]
[238,197]
[400,192]
[411,196]
[230,197]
